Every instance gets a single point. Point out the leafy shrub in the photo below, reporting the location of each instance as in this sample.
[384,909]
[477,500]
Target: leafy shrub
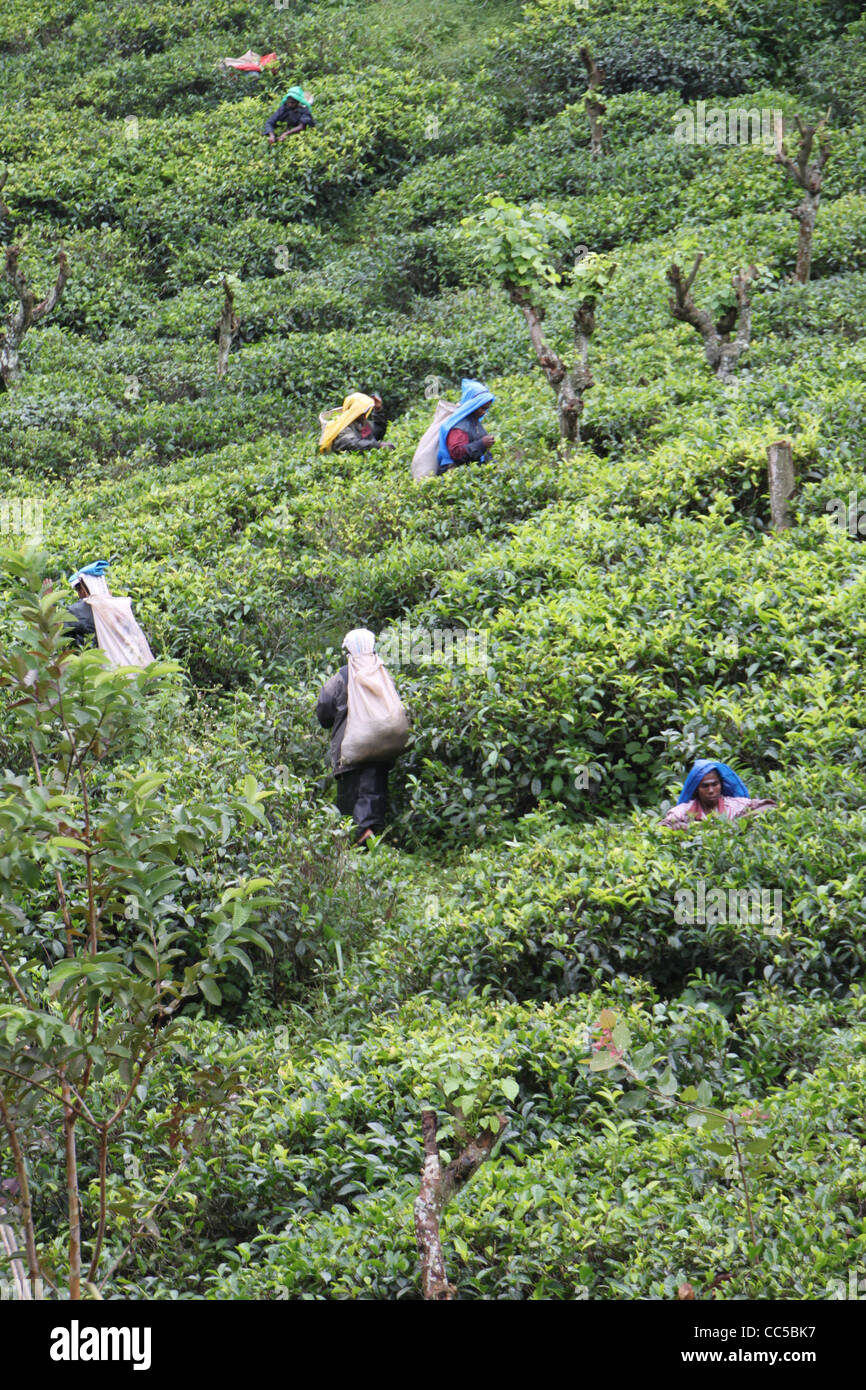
[835,74]
[541,65]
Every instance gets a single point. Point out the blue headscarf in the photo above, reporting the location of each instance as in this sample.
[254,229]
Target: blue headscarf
[474,396]
[732,785]
[97,567]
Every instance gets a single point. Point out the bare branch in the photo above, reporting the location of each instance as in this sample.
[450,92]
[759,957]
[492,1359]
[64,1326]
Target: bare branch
[684,309]
[83,1111]
[13,979]
[695,268]
[51,299]
[552,365]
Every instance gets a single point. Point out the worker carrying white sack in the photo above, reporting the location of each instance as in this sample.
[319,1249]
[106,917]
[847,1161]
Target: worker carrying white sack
[110,620]
[369,727]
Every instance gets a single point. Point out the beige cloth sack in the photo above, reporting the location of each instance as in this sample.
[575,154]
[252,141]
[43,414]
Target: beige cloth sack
[117,632]
[377,725]
[425,458]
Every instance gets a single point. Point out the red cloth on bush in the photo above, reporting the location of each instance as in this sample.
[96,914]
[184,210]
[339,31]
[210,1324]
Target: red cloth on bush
[250,62]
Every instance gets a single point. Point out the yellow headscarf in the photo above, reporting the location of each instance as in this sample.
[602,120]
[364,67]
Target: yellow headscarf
[353,406]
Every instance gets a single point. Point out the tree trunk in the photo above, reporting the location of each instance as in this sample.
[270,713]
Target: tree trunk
[569,408]
[569,383]
[810,177]
[10,364]
[580,377]
[594,108]
[437,1188]
[805,215]
[228,327]
[729,353]
[780,472]
[428,1213]
[5,211]
[72,1196]
[24,1203]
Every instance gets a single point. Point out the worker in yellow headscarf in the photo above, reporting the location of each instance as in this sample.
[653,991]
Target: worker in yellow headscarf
[359,424]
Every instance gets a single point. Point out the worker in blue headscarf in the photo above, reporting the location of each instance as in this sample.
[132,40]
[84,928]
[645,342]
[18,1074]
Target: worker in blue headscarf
[106,616]
[463,438]
[713,788]
[80,626]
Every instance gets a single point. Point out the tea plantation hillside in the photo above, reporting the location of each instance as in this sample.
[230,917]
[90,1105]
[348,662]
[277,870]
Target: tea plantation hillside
[633,606]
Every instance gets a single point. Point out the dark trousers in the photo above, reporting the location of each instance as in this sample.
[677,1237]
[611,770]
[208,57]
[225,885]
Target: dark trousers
[362,793]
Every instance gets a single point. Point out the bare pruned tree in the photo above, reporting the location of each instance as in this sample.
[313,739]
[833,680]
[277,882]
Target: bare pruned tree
[569,382]
[810,178]
[720,350]
[438,1186]
[27,312]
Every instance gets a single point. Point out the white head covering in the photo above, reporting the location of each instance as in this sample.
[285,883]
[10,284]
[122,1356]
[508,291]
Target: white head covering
[359,641]
[97,586]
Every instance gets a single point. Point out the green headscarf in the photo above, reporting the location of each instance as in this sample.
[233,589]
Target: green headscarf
[298,94]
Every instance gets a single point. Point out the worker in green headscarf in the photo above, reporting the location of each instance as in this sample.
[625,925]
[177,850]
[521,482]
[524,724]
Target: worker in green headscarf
[295,109]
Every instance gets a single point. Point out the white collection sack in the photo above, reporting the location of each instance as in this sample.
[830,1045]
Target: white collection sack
[117,632]
[377,726]
[425,458]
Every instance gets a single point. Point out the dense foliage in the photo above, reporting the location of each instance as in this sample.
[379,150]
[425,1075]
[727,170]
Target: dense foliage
[636,609]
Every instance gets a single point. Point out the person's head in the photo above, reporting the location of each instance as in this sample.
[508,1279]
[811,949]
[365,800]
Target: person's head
[360,641]
[82,580]
[475,398]
[709,779]
[710,790]
[296,96]
[376,399]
